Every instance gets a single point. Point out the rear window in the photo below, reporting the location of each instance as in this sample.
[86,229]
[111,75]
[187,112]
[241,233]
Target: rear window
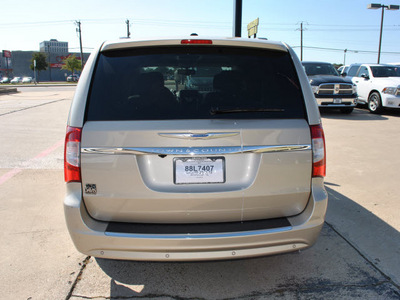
[194,82]
[384,71]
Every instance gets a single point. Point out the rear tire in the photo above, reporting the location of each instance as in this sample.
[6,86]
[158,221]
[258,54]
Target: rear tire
[375,103]
[346,110]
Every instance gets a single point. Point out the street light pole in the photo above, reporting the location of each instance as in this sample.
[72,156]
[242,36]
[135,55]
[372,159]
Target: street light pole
[377,6]
[380,35]
[237,18]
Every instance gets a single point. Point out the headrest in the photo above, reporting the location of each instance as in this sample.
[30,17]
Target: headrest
[151,80]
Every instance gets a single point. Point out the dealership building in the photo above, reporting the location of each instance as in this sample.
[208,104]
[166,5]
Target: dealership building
[17,63]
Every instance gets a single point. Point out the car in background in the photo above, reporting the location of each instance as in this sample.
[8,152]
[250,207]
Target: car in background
[378,85]
[27,80]
[330,90]
[229,168]
[5,80]
[342,70]
[16,80]
[73,78]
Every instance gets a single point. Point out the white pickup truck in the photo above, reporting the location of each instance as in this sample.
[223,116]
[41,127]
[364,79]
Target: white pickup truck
[378,85]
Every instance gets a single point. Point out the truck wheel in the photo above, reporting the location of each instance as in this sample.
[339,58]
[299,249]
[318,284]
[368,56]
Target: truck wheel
[374,103]
[346,110]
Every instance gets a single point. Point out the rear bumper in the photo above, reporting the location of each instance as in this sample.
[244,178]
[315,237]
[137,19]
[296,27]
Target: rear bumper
[91,238]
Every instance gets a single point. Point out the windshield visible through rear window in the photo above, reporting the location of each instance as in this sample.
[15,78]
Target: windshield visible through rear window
[163,83]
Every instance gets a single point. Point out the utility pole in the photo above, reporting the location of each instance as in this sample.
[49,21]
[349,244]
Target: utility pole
[34,70]
[301,40]
[78,30]
[128,34]
[344,60]
[48,50]
[7,66]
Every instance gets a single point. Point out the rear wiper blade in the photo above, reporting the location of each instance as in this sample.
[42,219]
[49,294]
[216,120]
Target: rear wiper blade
[216,111]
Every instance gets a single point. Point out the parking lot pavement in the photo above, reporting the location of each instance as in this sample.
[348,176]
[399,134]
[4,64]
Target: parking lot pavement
[37,258]
[356,256]
[331,269]
[363,170]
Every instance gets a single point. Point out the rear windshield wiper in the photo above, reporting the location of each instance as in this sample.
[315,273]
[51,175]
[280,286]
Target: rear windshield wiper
[216,111]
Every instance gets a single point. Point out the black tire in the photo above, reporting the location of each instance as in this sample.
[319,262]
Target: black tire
[346,110]
[375,103]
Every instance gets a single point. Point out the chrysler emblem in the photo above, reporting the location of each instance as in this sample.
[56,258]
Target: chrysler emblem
[198,136]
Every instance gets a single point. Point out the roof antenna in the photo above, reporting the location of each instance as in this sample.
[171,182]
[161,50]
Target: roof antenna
[194,34]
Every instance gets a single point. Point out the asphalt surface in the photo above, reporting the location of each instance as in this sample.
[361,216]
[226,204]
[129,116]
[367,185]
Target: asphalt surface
[357,255]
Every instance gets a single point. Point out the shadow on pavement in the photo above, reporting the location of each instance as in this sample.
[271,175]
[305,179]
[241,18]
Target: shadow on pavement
[356,256]
[359,114]
[374,238]
[356,115]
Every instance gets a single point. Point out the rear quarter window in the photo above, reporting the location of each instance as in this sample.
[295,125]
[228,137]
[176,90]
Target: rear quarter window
[165,83]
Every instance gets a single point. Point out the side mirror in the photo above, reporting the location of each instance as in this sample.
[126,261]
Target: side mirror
[344,74]
[365,76]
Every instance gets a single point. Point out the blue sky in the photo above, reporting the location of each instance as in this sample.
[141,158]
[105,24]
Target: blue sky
[332,25]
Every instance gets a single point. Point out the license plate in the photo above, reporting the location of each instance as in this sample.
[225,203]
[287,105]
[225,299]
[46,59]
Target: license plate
[199,170]
[337,101]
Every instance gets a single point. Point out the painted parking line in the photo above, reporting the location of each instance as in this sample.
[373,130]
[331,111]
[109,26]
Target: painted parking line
[10,174]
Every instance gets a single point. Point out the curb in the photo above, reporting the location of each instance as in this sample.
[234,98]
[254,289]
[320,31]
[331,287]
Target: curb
[44,85]
[7,90]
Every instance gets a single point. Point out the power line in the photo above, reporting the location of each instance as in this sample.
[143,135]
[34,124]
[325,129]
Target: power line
[347,50]
[347,27]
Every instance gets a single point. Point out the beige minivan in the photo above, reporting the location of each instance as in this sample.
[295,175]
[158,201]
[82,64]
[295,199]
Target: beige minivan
[194,149]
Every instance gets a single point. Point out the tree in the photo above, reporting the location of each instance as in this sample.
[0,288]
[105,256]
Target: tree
[41,63]
[71,63]
[337,66]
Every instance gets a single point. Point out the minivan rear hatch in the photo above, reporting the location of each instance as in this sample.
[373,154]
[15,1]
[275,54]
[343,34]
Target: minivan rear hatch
[159,145]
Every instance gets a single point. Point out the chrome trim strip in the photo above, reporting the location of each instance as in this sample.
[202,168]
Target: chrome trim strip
[199,136]
[189,236]
[194,150]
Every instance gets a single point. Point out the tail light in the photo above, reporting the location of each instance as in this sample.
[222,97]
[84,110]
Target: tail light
[72,157]
[318,151]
